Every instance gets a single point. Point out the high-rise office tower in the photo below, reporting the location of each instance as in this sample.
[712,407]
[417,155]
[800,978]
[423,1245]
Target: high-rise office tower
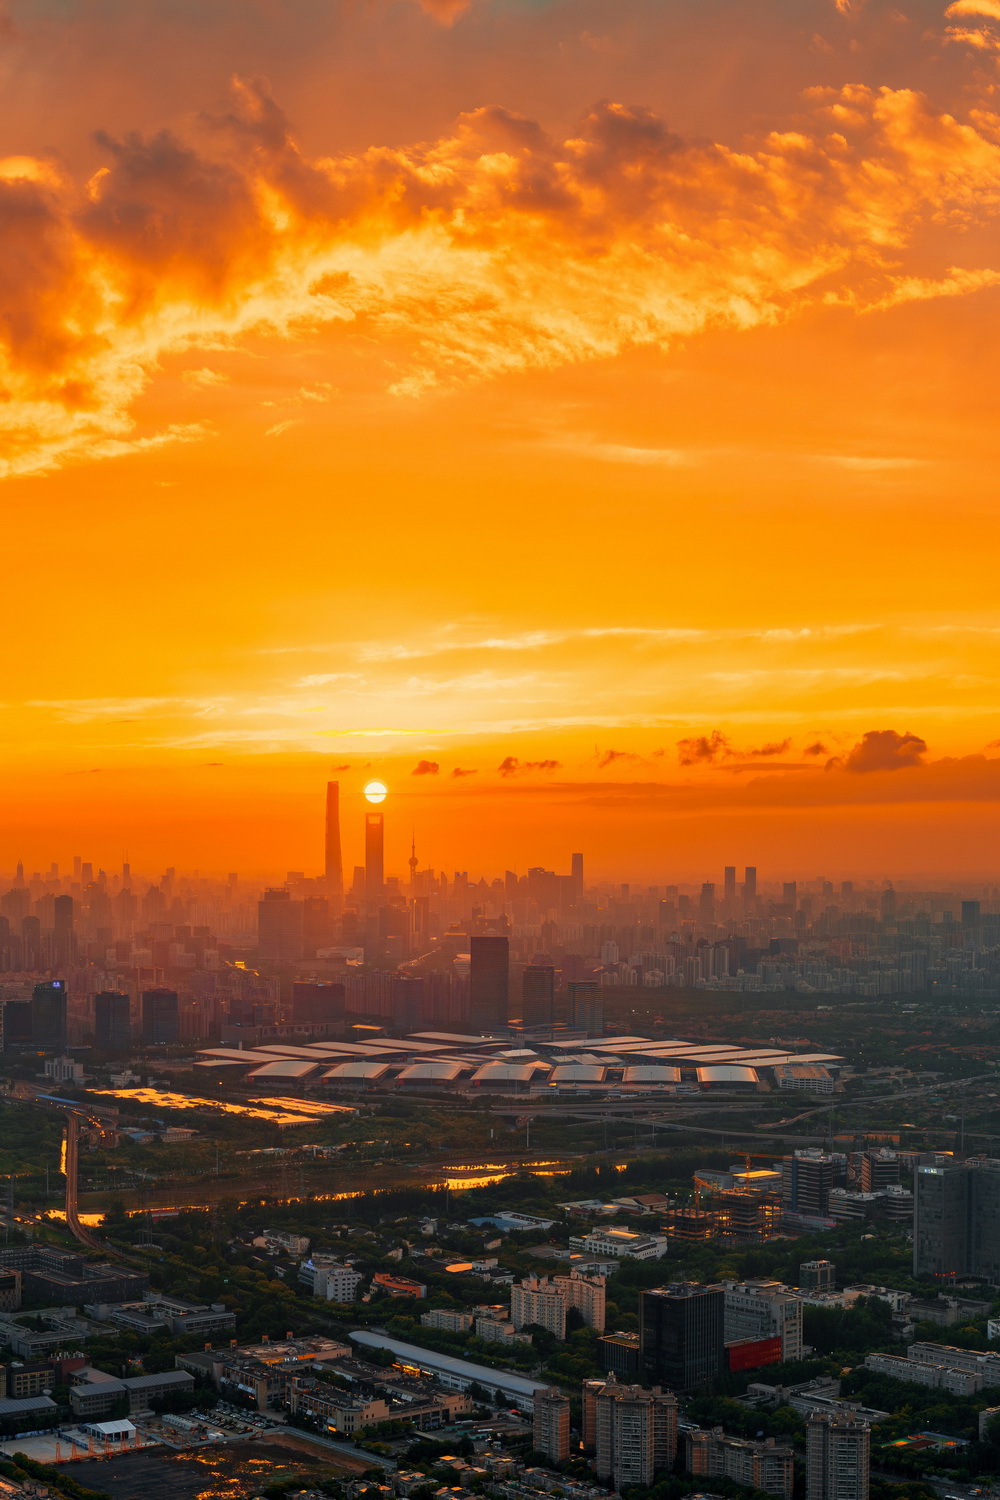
[807,1177]
[489,981]
[750,886]
[550,1424]
[956,1220]
[334,866]
[48,1016]
[112,1019]
[586,1006]
[317,1002]
[631,1431]
[538,995]
[407,1001]
[729,886]
[374,857]
[790,894]
[682,1334]
[15,1016]
[838,1457]
[878,1170]
[160,1016]
[280,926]
[63,939]
[764,1310]
[31,942]
[576,877]
[706,903]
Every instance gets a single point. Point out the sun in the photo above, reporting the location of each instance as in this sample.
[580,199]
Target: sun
[376,791]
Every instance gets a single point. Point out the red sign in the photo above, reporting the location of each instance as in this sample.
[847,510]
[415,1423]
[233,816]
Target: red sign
[750,1354]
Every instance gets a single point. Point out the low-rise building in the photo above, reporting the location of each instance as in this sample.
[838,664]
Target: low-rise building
[29,1415]
[447,1320]
[494,1330]
[621,1243]
[918,1372]
[326,1276]
[398,1286]
[337,1410]
[767,1465]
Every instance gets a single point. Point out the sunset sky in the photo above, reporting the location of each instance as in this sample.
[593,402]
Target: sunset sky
[579,413]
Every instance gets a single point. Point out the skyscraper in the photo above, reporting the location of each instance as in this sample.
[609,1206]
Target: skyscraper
[807,1177]
[576,877]
[160,1017]
[63,940]
[318,1002]
[750,887]
[681,1334]
[586,1006]
[706,903]
[538,995]
[550,1424]
[489,979]
[838,1457]
[112,1019]
[374,857]
[407,1001]
[279,926]
[48,1016]
[956,1220]
[729,886]
[334,866]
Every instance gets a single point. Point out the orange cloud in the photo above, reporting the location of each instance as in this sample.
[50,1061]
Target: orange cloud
[495,249]
[425,768]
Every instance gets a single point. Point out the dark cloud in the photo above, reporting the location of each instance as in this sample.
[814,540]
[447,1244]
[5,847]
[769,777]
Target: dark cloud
[817,748]
[885,750]
[425,768]
[462,771]
[703,748]
[510,766]
[342,768]
[774,747]
[609,757]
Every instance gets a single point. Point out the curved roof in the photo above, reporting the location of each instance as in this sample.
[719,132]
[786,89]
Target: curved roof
[431,1360]
[726,1073]
[345,1071]
[651,1073]
[287,1067]
[433,1072]
[578,1073]
[508,1072]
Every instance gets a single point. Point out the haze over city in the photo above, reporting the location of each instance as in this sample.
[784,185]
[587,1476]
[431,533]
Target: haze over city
[581,401]
[500,750]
